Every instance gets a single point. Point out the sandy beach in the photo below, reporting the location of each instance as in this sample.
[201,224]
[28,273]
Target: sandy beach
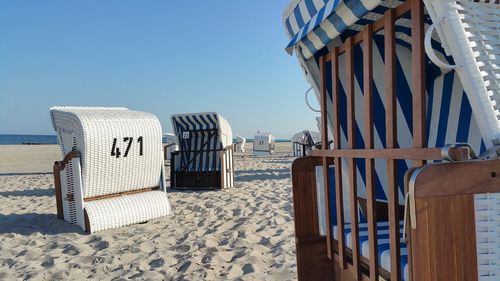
[243,233]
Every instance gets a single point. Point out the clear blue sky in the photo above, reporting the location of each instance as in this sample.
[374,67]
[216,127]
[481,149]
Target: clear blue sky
[163,57]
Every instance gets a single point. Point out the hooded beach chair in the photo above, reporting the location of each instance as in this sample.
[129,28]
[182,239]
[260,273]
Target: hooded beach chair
[304,141]
[112,172]
[205,156]
[240,143]
[263,144]
[405,126]
[170,145]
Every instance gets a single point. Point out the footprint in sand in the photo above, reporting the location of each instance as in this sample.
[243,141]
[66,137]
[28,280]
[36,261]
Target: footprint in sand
[157,263]
[49,262]
[70,250]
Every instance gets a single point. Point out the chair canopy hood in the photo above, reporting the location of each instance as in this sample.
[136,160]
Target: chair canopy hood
[312,24]
[202,122]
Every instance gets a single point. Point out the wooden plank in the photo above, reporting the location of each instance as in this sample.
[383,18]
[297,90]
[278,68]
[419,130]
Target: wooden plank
[304,197]
[440,211]
[338,168]
[345,275]
[466,263]
[58,167]
[312,260]
[56,171]
[418,74]
[368,136]
[420,244]
[391,140]
[130,192]
[461,178]
[325,162]
[448,223]
[390,153]
[444,242]
[351,143]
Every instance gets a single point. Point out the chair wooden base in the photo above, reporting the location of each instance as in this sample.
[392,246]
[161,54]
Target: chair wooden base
[196,180]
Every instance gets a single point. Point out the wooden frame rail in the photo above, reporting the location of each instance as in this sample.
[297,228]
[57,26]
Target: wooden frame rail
[444,237]
[391,153]
[57,168]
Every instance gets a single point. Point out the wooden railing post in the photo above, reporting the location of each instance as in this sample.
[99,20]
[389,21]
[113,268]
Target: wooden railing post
[391,140]
[339,194]
[418,74]
[326,175]
[368,136]
[351,142]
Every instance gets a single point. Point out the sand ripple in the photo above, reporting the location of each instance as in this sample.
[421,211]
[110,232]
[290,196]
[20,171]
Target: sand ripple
[244,233]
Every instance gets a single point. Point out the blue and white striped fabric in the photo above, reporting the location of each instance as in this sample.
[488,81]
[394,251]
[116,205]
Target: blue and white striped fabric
[449,120]
[384,253]
[449,115]
[200,141]
[312,24]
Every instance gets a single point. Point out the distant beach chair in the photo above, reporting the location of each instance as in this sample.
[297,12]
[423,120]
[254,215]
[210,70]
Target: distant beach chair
[304,141]
[401,195]
[112,173]
[263,144]
[170,145]
[240,143]
[205,156]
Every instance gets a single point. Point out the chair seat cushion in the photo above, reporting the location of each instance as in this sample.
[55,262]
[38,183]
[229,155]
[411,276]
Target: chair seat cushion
[126,210]
[384,254]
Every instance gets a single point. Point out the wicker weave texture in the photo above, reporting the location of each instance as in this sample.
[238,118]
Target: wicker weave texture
[470,31]
[101,131]
[487,210]
[126,210]
[481,22]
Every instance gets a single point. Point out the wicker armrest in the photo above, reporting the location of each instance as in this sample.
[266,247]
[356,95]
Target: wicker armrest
[58,167]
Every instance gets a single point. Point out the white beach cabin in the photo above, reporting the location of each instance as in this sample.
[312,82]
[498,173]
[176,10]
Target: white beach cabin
[112,173]
[240,143]
[205,156]
[263,144]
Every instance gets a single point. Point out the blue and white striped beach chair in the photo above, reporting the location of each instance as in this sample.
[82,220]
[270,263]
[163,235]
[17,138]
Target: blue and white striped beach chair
[205,156]
[317,27]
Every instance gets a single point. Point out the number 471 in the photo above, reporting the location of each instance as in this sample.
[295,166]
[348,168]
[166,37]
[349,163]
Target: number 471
[115,150]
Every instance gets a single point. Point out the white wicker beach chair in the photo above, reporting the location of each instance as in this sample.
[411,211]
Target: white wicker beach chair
[469,31]
[263,144]
[240,143]
[112,173]
[205,156]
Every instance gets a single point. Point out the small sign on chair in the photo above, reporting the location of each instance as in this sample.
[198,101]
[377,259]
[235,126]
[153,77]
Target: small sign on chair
[185,135]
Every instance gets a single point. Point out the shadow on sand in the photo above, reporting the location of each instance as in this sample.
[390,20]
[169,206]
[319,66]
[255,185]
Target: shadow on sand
[275,174]
[29,192]
[26,224]
[25,174]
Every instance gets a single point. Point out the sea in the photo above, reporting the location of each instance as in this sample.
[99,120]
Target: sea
[28,139]
[52,139]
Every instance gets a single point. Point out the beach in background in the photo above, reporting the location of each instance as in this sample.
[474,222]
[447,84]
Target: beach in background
[242,233]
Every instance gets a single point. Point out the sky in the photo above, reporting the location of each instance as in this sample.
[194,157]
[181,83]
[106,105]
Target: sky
[163,57]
